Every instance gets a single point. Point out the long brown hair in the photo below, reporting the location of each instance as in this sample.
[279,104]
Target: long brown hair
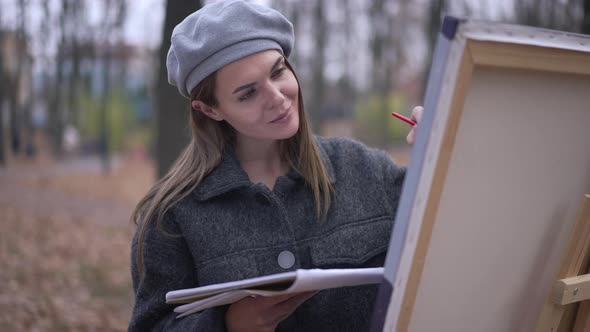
[204,153]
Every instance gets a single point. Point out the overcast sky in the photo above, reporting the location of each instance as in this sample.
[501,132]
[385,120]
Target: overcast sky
[145,17]
[143,24]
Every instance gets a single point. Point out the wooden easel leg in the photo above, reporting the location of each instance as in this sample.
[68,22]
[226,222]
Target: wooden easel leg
[583,318]
[575,261]
[582,323]
[568,318]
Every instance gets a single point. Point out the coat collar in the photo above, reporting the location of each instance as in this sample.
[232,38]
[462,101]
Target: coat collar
[229,175]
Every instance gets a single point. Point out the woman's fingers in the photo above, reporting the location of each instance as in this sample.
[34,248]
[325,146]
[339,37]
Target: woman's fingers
[417,113]
[285,308]
[261,313]
[253,314]
[273,300]
[416,116]
[295,301]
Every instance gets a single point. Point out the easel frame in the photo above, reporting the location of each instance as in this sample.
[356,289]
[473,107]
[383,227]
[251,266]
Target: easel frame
[555,316]
[477,53]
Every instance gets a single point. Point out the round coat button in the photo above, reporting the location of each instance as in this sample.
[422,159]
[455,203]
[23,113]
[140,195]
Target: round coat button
[263,198]
[286,259]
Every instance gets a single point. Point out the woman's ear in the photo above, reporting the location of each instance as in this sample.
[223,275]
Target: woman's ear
[206,109]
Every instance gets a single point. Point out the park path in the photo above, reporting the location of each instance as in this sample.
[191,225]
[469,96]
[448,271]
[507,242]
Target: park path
[76,189]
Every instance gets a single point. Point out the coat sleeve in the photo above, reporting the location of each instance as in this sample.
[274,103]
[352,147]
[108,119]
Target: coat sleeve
[167,265]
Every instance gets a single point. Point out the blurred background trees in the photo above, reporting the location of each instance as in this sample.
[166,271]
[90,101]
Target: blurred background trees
[84,94]
[75,78]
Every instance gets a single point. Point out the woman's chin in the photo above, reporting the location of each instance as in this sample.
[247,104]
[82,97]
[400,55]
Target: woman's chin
[290,130]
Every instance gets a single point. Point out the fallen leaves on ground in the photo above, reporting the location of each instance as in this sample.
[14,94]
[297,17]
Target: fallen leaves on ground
[64,273]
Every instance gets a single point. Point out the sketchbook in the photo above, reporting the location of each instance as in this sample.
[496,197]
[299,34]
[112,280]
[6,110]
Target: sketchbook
[201,298]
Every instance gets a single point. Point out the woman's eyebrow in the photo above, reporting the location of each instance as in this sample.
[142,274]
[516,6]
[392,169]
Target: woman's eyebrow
[276,64]
[273,68]
[243,87]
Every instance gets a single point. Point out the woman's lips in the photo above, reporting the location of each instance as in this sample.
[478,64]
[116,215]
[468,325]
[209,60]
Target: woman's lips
[282,116]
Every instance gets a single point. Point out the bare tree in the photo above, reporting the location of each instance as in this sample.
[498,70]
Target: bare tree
[380,30]
[171,121]
[292,9]
[115,12]
[348,27]
[435,14]
[2,94]
[76,19]
[55,106]
[318,82]
[16,81]
[44,33]
[25,81]
[585,28]
[560,15]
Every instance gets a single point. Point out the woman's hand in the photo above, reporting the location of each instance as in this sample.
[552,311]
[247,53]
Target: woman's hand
[262,313]
[416,116]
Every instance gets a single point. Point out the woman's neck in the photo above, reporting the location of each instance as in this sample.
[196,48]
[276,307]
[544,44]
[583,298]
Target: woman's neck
[261,159]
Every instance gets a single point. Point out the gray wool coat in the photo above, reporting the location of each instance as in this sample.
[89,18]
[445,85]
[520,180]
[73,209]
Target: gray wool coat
[230,228]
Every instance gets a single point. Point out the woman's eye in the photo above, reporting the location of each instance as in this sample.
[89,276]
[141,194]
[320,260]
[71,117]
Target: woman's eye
[247,95]
[278,72]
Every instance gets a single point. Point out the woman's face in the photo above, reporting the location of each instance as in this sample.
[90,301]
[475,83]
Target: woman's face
[258,96]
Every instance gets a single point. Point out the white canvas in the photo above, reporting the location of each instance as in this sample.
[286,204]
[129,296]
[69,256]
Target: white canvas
[517,171]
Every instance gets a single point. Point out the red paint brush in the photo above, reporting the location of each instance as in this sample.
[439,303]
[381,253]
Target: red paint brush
[403,118]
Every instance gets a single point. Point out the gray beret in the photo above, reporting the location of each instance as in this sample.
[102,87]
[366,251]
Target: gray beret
[221,33]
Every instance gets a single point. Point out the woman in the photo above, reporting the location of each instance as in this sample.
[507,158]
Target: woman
[255,193]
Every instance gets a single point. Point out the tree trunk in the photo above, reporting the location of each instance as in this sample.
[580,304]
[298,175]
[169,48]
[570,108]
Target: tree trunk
[74,81]
[318,83]
[2,94]
[27,120]
[56,125]
[25,127]
[104,105]
[14,122]
[2,152]
[55,122]
[171,119]
[16,115]
[434,23]
[586,19]
[377,43]
[349,29]
[295,15]
[560,15]
[74,77]
[44,32]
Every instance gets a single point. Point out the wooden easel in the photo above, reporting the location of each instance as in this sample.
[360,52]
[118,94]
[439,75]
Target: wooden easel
[567,308]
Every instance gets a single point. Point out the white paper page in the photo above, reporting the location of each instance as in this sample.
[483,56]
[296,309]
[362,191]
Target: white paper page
[306,280]
[314,279]
[217,300]
[177,296]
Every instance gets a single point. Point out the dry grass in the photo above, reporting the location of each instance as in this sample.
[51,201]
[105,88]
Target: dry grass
[64,273]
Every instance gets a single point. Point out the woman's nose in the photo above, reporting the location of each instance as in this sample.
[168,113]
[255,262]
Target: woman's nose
[275,96]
